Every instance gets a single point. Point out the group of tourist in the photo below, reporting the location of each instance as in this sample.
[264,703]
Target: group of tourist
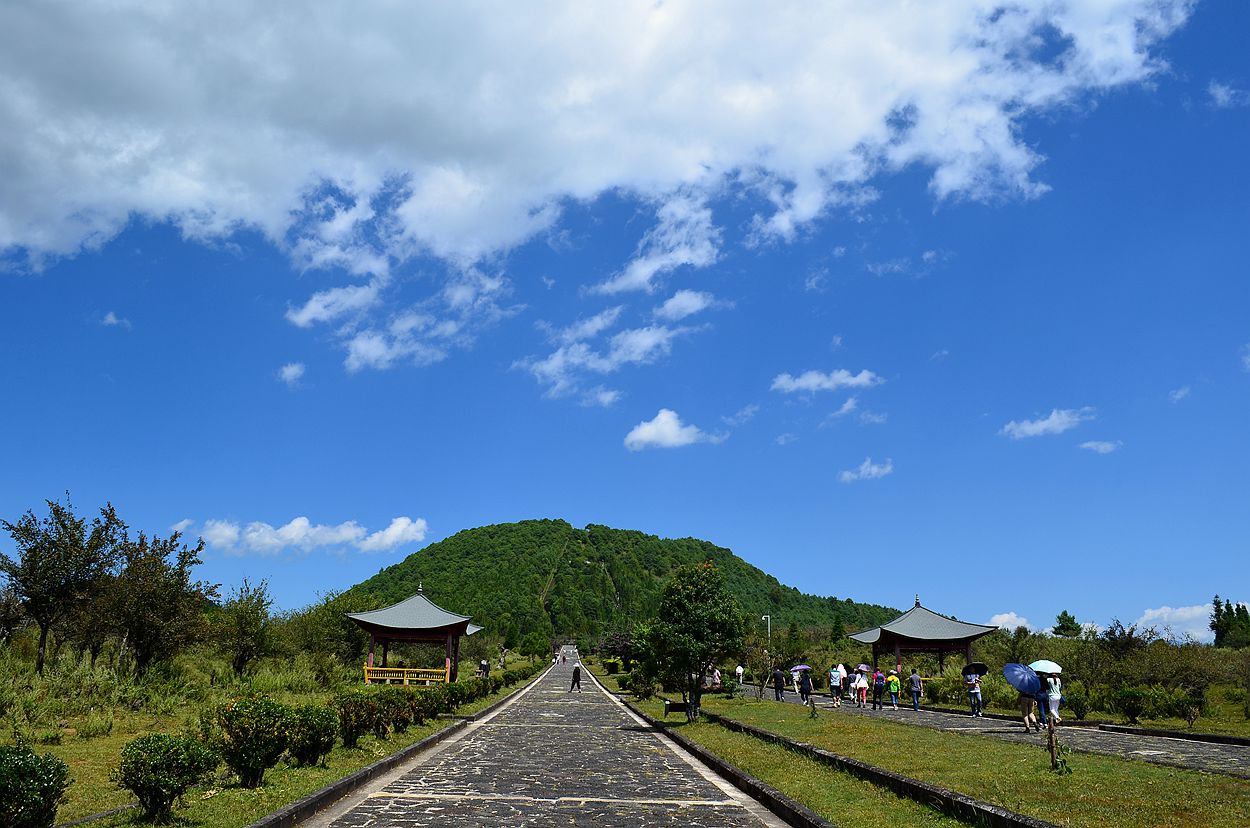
[1047,698]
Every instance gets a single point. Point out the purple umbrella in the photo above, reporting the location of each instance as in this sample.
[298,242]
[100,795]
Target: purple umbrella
[863,668]
[1022,678]
[798,667]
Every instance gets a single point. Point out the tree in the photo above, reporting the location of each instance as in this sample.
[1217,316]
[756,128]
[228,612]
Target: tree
[1066,625]
[838,631]
[244,624]
[11,615]
[60,563]
[697,624]
[536,645]
[154,604]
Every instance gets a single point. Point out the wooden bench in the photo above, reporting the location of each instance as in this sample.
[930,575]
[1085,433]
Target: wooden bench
[674,707]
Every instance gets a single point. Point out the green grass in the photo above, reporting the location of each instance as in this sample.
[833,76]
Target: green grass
[1101,792]
[221,804]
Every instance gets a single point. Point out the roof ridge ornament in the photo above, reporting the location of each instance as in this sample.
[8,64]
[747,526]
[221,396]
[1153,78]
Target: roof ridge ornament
[917,599]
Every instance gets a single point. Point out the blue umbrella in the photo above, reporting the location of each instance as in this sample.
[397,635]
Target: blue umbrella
[1022,678]
[1046,666]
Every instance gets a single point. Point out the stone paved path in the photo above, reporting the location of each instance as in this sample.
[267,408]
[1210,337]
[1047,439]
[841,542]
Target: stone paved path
[1229,760]
[554,758]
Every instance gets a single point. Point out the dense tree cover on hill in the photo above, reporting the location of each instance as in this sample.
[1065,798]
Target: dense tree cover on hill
[1231,624]
[547,576]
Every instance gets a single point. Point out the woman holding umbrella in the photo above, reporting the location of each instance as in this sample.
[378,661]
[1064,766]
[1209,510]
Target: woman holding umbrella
[972,681]
[1052,686]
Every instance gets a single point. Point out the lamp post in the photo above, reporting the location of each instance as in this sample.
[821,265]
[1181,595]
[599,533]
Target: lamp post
[769,619]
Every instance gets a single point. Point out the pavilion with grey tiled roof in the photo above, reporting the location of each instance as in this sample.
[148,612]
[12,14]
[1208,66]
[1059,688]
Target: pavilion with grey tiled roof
[415,619]
[922,630]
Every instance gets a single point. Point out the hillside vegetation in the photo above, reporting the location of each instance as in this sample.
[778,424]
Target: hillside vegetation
[549,577]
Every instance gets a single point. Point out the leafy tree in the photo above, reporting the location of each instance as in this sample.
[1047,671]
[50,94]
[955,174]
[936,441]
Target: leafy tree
[1021,645]
[244,624]
[1066,625]
[838,631]
[155,605]
[60,563]
[698,623]
[535,645]
[1122,641]
[11,615]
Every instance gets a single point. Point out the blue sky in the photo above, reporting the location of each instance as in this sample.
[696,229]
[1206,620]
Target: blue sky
[888,300]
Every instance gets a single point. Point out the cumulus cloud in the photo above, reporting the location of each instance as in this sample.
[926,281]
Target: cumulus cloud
[685,303]
[1191,621]
[810,381]
[1009,621]
[867,470]
[304,535]
[742,416]
[1057,422]
[182,525]
[437,133]
[112,320]
[666,430]
[291,373]
[601,397]
[1101,446]
[562,370]
[1178,394]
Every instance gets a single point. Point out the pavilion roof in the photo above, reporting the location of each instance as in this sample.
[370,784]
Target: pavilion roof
[415,613]
[923,624]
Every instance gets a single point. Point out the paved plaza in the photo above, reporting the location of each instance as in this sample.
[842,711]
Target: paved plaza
[552,757]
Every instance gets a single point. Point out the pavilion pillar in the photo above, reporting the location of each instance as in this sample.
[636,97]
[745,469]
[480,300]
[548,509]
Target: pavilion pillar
[386,648]
[874,656]
[455,658]
[898,658]
[941,657]
[447,659]
[371,643]
[968,652]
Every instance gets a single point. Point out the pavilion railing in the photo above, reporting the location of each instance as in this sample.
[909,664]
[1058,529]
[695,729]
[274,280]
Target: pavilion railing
[406,675]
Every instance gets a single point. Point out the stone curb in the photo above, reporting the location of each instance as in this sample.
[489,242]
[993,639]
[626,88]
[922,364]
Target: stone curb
[793,812]
[302,809]
[943,799]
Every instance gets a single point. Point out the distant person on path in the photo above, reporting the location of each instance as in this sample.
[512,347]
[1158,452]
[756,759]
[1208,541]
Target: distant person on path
[835,686]
[916,686]
[577,678]
[1026,712]
[716,678]
[860,689]
[894,687]
[973,682]
[878,689]
[779,684]
[805,686]
[1054,693]
[738,672]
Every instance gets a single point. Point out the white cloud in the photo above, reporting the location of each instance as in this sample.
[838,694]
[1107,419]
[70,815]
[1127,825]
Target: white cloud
[401,530]
[1101,446]
[1245,356]
[685,303]
[291,373]
[1224,96]
[436,133]
[223,534]
[872,418]
[666,430]
[848,407]
[328,305]
[1009,621]
[112,320]
[786,439]
[839,252]
[182,525]
[811,381]
[584,329]
[867,470]
[940,355]
[1179,394]
[893,266]
[836,343]
[1191,621]
[562,369]
[302,534]
[742,416]
[1057,422]
[601,397]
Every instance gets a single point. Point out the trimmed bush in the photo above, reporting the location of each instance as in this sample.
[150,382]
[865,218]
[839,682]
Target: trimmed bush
[313,730]
[359,713]
[31,787]
[254,732]
[159,768]
[1077,699]
[1130,702]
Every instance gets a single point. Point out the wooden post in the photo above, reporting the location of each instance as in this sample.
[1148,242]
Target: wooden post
[386,648]
[371,643]
[898,658]
[455,658]
[967,652]
[447,660]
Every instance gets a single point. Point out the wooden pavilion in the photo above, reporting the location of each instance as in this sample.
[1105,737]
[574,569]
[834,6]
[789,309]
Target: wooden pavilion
[417,620]
[922,630]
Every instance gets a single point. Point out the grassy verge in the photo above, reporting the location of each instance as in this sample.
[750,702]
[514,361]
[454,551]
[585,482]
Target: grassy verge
[222,804]
[1102,791]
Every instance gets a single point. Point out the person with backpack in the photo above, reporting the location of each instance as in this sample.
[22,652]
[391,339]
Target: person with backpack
[878,690]
[893,686]
[779,684]
[973,682]
[805,685]
[916,685]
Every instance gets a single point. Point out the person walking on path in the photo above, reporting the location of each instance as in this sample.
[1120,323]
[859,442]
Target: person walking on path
[1026,712]
[973,682]
[779,684]
[861,689]
[878,690]
[916,685]
[738,673]
[835,686]
[805,686]
[894,686]
[1054,694]
[577,678]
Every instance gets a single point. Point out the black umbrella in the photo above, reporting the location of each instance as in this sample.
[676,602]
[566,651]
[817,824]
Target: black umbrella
[976,668]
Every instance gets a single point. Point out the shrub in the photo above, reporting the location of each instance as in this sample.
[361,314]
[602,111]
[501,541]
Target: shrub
[359,713]
[612,666]
[31,787]
[641,686]
[253,736]
[159,768]
[313,730]
[96,725]
[1130,702]
[1076,697]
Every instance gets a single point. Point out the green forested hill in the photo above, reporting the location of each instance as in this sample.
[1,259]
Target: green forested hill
[547,576]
